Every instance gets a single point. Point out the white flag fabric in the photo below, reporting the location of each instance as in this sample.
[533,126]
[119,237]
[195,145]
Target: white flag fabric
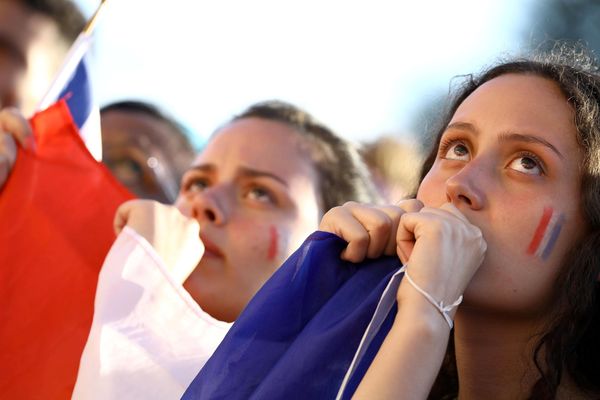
[148,338]
[73,84]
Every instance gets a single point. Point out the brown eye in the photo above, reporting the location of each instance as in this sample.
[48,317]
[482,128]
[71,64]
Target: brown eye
[260,194]
[526,164]
[457,151]
[195,185]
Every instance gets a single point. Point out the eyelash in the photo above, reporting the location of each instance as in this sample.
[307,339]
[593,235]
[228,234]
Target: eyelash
[187,184]
[445,145]
[265,192]
[189,181]
[535,158]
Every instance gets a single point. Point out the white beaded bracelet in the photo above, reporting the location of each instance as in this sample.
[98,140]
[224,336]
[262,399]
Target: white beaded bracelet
[444,310]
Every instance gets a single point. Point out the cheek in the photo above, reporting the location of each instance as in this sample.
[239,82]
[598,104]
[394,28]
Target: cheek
[183,205]
[432,190]
[265,243]
[273,243]
[546,233]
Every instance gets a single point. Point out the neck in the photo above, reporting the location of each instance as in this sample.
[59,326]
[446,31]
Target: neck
[494,355]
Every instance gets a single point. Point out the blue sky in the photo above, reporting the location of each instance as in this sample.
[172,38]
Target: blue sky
[361,67]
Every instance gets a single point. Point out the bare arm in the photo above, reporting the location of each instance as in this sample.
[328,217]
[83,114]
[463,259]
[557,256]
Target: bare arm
[426,240]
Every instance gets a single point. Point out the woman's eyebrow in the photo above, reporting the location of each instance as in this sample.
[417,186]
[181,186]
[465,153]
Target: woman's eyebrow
[202,168]
[518,137]
[508,136]
[255,173]
[463,126]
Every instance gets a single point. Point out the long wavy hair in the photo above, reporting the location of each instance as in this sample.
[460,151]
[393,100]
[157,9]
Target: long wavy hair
[570,346]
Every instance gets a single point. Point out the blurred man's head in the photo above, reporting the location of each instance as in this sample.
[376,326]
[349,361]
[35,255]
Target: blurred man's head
[146,150]
[35,36]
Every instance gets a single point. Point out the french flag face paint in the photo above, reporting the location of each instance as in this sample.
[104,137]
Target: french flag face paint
[546,233]
[274,243]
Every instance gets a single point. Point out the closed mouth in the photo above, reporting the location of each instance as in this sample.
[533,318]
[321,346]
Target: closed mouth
[210,249]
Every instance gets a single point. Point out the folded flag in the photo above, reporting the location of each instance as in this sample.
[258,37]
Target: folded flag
[149,338]
[56,208]
[298,336]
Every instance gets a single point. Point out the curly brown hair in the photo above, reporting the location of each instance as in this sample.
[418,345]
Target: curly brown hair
[570,345]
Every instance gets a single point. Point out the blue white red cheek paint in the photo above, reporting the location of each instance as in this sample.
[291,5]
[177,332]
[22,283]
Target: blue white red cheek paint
[273,243]
[546,233]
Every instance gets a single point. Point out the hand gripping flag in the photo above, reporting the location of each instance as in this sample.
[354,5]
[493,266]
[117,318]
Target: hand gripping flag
[149,338]
[56,209]
[298,337]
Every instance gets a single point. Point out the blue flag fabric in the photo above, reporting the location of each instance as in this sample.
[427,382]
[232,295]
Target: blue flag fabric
[298,335]
[78,95]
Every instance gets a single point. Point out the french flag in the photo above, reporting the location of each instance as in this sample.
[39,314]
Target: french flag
[86,315]
[72,84]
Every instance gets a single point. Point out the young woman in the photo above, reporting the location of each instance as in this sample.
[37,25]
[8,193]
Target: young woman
[507,215]
[252,195]
[257,189]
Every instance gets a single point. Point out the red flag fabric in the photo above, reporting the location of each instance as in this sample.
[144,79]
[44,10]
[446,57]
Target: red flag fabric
[56,213]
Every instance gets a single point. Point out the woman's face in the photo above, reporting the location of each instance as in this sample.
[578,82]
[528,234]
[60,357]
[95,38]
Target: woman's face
[509,160]
[254,192]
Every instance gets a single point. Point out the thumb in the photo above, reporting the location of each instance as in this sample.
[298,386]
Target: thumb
[121,217]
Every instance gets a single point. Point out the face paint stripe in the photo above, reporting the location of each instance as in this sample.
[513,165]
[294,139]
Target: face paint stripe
[553,237]
[273,243]
[539,232]
[547,235]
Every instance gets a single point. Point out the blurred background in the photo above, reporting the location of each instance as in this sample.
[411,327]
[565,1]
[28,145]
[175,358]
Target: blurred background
[367,69]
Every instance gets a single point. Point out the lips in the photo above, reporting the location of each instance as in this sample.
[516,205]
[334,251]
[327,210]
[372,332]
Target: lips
[210,249]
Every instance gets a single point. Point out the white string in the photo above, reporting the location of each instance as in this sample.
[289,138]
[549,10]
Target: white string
[443,309]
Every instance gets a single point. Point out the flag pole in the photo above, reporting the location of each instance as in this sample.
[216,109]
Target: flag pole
[74,56]
[89,27]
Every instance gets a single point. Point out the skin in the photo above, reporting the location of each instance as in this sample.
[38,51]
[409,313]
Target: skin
[494,186]
[31,51]
[243,193]
[507,152]
[242,210]
[127,145]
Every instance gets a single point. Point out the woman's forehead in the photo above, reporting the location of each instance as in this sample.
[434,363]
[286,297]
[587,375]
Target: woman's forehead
[266,145]
[519,103]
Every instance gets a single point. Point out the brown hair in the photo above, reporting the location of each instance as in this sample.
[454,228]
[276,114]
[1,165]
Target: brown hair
[343,176]
[570,346]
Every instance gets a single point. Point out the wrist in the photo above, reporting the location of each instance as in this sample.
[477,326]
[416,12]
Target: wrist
[410,292]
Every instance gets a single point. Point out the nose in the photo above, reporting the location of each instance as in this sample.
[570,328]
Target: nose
[207,206]
[465,187]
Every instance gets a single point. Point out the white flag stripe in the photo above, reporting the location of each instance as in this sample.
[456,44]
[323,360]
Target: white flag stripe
[74,56]
[149,338]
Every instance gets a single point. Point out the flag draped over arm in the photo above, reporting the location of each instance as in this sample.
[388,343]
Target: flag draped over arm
[56,212]
[298,336]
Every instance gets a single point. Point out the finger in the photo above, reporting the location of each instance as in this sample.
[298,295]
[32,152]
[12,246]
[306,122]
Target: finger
[394,213]
[340,221]
[451,208]
[122,216]
[411,205]
[405,236]
[358,239]
[404,248]
[13,123]
[378,226]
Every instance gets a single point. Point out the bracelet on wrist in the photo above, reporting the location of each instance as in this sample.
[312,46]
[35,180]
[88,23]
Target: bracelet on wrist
[439,305]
